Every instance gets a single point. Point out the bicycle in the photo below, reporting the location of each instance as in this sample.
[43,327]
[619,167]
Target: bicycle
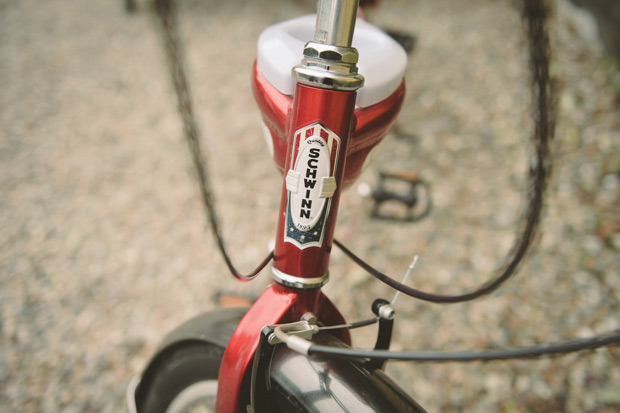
[255,372]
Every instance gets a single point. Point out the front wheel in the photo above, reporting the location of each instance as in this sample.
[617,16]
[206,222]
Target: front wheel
[184,380]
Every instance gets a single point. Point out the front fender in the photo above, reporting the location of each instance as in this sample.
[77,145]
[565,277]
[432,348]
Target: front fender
[214,327]
[297,382]
[315,384]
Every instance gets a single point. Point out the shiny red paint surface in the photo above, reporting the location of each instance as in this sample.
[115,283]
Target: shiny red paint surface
[372,124]
[334,111]
[359,131]
[278,304]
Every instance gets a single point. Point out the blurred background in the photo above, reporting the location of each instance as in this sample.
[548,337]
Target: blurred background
[103,241]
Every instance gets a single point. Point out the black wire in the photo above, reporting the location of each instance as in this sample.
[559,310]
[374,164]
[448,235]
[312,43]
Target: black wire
[535,14]
[363,323]
[467,356]
[431,297]
[166,12]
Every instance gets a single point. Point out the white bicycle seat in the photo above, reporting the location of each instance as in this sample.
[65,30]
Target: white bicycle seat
[382,60]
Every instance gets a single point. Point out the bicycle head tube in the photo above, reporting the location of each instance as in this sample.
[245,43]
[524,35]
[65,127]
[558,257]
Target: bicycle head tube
[317,126]
[322,121]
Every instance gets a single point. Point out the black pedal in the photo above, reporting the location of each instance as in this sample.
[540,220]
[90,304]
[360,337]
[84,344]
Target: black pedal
[401,188]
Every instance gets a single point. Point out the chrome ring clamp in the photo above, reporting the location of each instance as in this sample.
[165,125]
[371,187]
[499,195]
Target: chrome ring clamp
[299,283]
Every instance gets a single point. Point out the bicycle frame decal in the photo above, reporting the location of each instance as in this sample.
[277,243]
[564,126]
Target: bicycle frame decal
[310,185]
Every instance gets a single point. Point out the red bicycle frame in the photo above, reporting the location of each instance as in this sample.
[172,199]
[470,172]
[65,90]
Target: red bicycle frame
[301,272]
[320,142]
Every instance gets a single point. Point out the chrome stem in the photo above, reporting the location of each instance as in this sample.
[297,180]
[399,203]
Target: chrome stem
[335,22]
[329,61]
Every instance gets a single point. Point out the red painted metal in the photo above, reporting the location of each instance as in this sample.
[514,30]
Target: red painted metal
[373,123]
[278,304]
[359,131]
[333,110]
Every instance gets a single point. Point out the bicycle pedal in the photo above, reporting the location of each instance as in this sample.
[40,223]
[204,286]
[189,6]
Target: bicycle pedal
[404,188]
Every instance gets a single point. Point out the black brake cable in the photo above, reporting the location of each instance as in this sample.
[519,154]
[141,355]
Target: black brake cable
[535,14]
[166,12]
[306,347]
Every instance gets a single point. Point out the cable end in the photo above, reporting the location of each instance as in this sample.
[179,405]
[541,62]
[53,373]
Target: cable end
[298,344]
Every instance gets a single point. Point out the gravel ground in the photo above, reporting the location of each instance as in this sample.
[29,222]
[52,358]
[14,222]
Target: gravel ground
[103,247]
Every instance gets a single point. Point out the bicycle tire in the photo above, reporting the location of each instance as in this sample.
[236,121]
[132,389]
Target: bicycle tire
[185,378]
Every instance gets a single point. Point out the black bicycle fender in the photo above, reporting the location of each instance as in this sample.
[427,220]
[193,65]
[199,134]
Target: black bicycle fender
[297,382]
[214,327]
[315,384]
